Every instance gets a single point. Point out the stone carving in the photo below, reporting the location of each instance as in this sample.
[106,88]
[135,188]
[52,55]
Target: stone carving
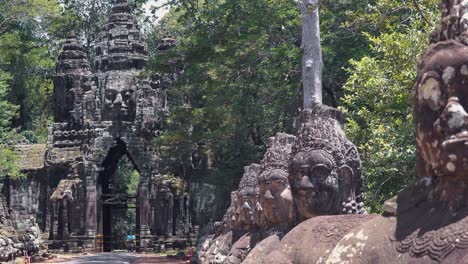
[309,242]
[242,217]
[325,178]
[72,80]
[259,208]
[120,44]
[165,204]
[275,192]
[247,199]
[325,171]
[232,214]
[14,240]
[427,222]
[436,244]
[120,101]
[99,117]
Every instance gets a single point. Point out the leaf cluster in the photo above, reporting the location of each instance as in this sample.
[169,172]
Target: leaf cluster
[240,82]
[378,97]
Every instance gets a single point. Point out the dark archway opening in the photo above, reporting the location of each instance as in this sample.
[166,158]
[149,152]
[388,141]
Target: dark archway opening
[117,189]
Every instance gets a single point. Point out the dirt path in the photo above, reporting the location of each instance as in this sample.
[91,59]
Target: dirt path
[115,258]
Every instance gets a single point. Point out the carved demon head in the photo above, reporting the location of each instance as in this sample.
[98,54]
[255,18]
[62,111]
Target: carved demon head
[232,213]
[325,171]
[440,104]
[275,193]
[249,206]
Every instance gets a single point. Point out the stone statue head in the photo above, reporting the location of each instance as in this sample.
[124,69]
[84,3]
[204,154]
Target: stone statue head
[325,170]
[274,190]
[247,198]
[441,99]
[232,213]
[120,100]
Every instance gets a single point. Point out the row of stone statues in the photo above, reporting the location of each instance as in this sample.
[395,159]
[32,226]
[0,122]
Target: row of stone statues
[312,183]
[318,172]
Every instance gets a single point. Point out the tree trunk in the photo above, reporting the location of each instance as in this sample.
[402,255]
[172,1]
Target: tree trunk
[312,54]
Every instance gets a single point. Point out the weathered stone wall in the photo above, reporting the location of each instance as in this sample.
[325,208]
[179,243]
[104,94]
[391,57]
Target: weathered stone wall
[19,229]
[99,117]
[25,198]
[206,202]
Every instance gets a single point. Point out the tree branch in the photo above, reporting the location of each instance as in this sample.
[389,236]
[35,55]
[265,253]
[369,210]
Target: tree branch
[415,2]
[2,31]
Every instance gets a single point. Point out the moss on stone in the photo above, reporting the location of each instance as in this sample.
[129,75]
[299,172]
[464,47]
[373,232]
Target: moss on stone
[174,183]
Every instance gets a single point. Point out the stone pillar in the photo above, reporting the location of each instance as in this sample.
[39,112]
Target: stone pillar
[144,233]
[143,203]
[65,219]
[91,208]
[90,225]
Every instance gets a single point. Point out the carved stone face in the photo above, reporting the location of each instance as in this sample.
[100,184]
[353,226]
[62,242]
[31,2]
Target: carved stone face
[275,195]
[325,169]
[247,198]
[315,178]
[120,102]
[440,104]
[247,205]
[233,210]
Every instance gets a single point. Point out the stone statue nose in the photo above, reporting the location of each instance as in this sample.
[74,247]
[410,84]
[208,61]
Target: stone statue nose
[268,195]
[258,207]
[306,184]
[456,114]
[118,100]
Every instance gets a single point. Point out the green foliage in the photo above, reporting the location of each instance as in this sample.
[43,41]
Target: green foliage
[86,18]
[240,85]
[342,41]
[134,181]
[378,101]
[28,54]
[8,166]
[123,224]
[174,183]
[126,178]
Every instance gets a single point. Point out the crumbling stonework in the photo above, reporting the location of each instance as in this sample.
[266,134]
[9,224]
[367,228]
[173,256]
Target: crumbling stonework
[18,236]
[325,170]
[169,205]
[21,206]
[260,208]
[242,219]
[427,222]
[102,112]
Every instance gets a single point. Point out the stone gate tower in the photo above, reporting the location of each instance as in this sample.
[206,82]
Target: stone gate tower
[100,117]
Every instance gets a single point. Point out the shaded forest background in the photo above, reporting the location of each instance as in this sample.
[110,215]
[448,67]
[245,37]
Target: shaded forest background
[240,81]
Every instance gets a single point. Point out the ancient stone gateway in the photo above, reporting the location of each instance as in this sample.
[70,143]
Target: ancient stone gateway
[99,118]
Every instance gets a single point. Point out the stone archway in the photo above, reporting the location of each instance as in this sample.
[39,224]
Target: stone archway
[101,116]
[110,197]
[101,169]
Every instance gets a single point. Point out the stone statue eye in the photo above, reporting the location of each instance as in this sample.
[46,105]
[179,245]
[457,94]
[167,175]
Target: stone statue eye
[110,94]
[430,91]
[320,172]
[279,182]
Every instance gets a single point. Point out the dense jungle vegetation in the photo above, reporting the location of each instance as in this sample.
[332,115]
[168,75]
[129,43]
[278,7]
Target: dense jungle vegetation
[241,80]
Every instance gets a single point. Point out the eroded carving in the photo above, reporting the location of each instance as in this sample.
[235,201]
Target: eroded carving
[325,172]
[275,192]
